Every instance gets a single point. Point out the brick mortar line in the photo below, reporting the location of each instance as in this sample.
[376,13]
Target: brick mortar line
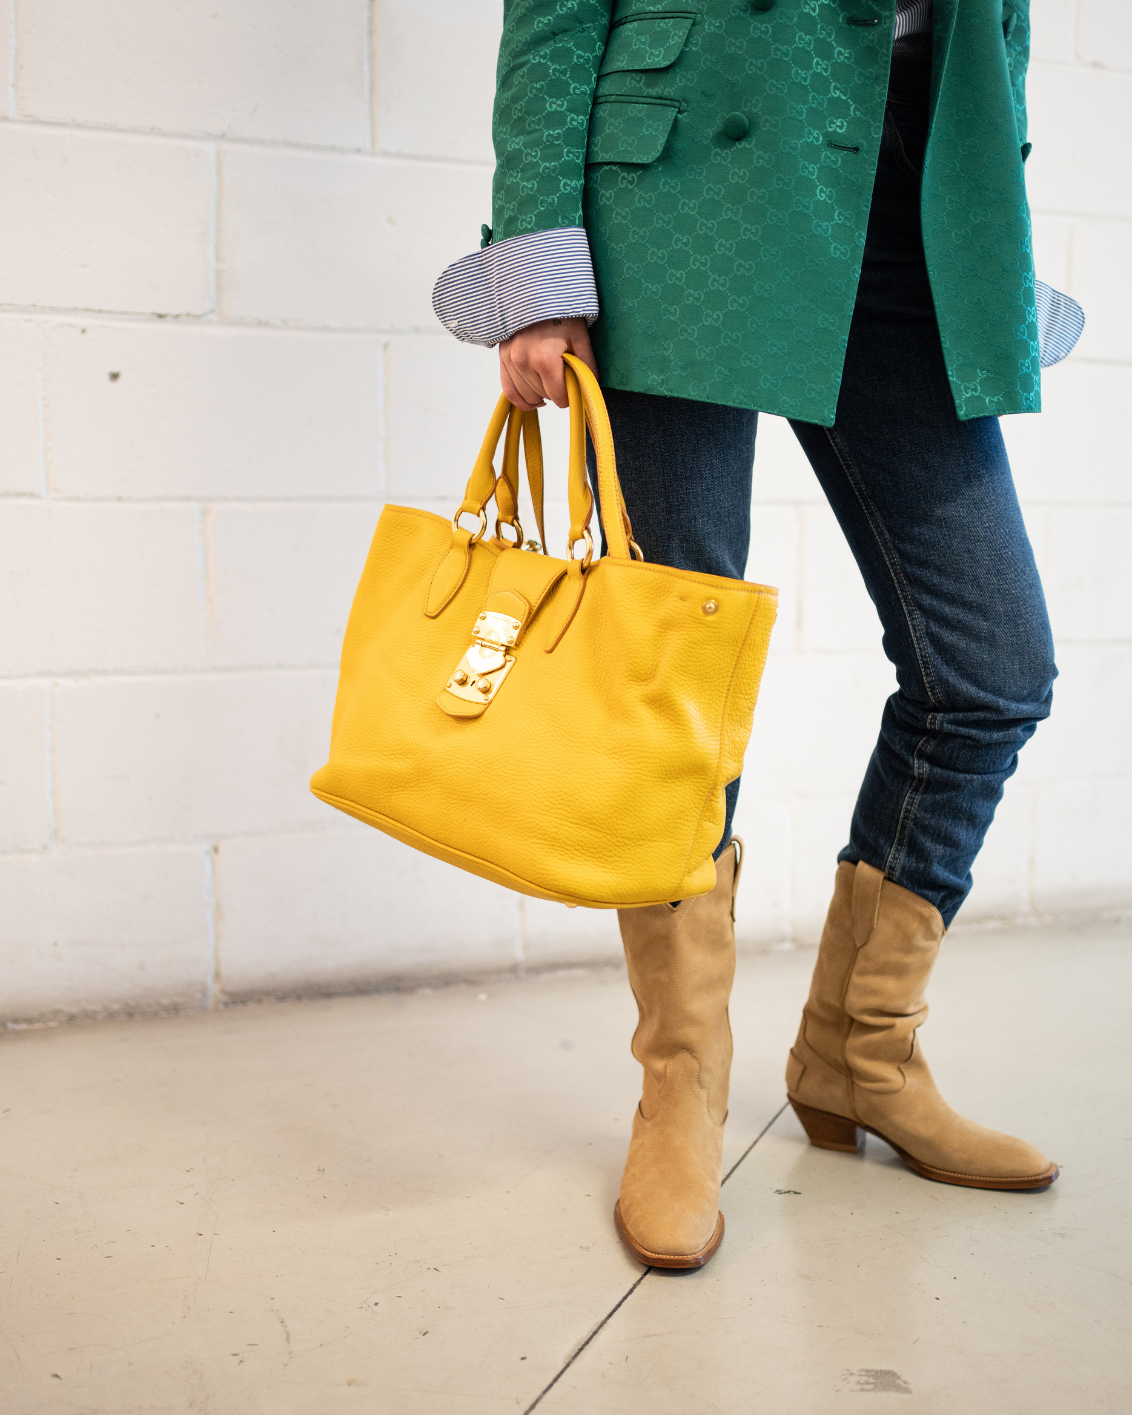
[183,842]
[30,498]
[205,138]
[66,317]
[285,144]
[195,844]
[442,504]
[74,678]
[1090,66]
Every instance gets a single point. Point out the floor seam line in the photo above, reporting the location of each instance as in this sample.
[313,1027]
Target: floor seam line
[612,1312]
[615,1309]
[753,1143]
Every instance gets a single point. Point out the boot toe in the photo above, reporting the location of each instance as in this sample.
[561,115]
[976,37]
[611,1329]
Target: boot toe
[669,1238]
[987,1160]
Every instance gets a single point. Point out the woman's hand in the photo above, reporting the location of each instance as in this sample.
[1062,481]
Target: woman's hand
[530,362]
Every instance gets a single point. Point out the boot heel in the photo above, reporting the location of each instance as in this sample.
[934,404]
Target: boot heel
[829,1132]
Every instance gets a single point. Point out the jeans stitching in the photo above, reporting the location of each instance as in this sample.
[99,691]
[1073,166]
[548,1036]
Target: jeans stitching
[923,658]
[891,560]
[911,800]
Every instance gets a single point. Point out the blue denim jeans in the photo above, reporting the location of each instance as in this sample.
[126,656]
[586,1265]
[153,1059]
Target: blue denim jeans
[928,506]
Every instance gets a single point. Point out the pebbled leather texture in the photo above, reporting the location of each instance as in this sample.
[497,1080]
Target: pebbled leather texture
[727,267]
[450,574]
[681,967]
[858,1054]
[596,774]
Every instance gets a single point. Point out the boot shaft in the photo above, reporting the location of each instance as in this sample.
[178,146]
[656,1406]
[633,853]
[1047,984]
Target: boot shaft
[681,964]
[878,948]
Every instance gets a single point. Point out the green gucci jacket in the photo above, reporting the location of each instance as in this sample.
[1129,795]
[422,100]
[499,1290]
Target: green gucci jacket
[720,155]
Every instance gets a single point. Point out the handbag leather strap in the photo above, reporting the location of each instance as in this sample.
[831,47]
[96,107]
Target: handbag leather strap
[587,409]
[507,485]
[615,522]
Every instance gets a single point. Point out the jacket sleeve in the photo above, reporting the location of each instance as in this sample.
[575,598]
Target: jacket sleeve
[535,263]
[1016,33]
[549,57]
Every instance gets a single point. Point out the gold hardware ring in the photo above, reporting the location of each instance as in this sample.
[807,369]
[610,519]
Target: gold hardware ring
[589,555]
[515,526]
[480,529]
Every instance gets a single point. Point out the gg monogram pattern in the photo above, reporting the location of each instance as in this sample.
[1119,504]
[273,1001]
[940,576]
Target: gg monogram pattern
[721,158]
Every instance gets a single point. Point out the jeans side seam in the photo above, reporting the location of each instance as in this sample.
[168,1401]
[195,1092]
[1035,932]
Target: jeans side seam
[911,799]
[892,561]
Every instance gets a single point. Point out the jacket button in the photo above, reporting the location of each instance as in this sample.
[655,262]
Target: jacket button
[736,126]
[762,5]
[865,20]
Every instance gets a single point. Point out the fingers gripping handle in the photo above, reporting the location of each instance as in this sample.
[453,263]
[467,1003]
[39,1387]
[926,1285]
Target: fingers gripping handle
[587,409]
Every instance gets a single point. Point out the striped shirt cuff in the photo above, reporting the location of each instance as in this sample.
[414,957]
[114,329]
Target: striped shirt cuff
[1060,321]
[491,294]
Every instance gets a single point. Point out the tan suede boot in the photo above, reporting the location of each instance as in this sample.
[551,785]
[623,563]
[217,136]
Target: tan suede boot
[857,1063]
[681,966]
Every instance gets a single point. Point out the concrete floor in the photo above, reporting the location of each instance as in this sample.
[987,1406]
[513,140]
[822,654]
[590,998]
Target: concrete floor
[403,1204]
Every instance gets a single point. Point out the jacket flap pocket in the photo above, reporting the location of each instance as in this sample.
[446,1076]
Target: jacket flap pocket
[650,42]
[629,130]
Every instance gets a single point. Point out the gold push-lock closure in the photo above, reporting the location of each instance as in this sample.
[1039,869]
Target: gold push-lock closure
[481,671]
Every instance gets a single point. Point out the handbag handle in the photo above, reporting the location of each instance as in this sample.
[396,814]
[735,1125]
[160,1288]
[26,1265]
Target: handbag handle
[617,527]
[523,424]
[587,408]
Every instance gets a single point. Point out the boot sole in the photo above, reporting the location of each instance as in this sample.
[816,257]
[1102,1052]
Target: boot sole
[667,1260]
[837,1132]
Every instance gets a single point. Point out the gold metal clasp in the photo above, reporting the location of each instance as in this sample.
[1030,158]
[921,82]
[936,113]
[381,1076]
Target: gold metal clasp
[481,671]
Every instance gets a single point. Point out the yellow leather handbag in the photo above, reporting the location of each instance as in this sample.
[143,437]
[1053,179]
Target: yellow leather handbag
[563,727]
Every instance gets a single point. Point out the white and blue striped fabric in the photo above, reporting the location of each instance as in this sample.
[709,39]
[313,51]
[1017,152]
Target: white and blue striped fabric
[493,293]
[912,17]
[1060,322]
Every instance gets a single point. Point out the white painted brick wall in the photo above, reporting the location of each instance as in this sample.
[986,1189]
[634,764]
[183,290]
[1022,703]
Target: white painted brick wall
[210,412]
[253,69]
[87,930]
[349,897]
[436,78]
[106,221]
[352,242]
[189,756]
[25,798]
[100,587]
[220,227]
[21,396]
[283,578]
